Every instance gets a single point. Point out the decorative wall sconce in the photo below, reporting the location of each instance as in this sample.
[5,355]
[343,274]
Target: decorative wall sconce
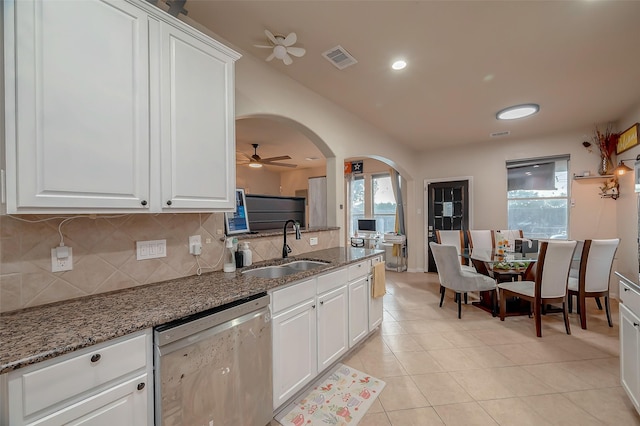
[623,168]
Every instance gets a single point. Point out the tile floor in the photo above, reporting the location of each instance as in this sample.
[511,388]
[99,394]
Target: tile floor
[481,371]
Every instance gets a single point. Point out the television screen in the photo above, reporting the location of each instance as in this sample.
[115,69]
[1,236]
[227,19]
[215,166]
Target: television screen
[366,225]
[238,222]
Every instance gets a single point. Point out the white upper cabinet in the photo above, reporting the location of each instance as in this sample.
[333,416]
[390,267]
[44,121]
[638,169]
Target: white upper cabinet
[197,122]
[115,106]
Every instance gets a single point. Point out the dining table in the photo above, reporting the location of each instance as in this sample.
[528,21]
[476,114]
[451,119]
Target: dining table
[503,266]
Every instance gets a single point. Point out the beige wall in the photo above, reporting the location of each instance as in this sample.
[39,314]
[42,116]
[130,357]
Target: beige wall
[258,181]
[293,180]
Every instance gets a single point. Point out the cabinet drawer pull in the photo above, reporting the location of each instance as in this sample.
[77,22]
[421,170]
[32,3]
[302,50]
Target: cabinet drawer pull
[141,386]
[143,202]
[169,203]
[95,357]
[635,324]
[313,306]
[626,289]
[322,302]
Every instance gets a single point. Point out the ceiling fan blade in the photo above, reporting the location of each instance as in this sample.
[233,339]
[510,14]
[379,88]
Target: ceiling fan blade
[290,40]
[271,37]
[296,51]
[282,157]
[260,46]
[278,164]
[287,59]
[270,57]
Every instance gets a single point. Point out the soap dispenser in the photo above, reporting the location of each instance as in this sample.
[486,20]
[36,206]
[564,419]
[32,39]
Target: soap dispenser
[229,257]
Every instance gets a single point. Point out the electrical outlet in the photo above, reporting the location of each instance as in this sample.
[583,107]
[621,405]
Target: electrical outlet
[313,241]
[195,245]
[61,264]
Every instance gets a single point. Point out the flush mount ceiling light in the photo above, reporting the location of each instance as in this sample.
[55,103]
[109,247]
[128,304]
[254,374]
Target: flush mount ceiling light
[517,111]
[255,165]
[398,65]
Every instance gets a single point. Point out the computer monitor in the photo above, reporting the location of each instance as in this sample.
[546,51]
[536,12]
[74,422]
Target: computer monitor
[367,226]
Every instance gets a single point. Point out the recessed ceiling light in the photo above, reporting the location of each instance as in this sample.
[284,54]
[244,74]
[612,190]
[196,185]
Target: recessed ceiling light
[517,111]
[398,65]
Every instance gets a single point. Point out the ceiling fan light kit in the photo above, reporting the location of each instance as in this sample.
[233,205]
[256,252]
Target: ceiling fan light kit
[256,161]
[282,47]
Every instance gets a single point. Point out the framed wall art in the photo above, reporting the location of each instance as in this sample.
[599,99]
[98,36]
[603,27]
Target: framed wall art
[627,139]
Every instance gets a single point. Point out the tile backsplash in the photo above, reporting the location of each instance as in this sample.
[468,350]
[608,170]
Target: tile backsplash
[104,253]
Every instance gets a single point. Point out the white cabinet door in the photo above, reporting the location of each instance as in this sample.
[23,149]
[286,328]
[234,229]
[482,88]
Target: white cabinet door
[294,350]
[375,307]
[333,331]
[124,405]
[630,354]
[79,134]
[197,122]
[358,310]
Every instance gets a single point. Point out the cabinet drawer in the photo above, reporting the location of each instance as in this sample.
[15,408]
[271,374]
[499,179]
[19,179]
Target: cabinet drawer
[630,298]
[292,295]
[360,269]
[47,386]
[332,280]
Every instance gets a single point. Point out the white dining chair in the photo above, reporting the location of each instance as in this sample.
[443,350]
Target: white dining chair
[453,277]
[596,261]
[481,239]
[550,285]
[454,238]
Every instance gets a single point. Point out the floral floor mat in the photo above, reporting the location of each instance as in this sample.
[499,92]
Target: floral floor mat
[342,398]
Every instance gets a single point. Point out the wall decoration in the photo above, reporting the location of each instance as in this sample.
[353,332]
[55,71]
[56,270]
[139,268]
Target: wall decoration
[628,139]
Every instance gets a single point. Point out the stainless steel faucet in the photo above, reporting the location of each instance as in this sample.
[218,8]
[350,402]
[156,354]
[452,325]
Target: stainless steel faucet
[296,227]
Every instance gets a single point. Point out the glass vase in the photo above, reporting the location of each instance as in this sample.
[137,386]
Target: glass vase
[606,165]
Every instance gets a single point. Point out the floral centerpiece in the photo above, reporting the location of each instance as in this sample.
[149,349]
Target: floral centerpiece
[606,142]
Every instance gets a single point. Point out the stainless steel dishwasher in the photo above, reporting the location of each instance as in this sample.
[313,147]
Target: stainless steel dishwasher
[215,368]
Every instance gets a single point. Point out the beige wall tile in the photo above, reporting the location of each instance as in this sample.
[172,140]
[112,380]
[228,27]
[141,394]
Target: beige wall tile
[104,253]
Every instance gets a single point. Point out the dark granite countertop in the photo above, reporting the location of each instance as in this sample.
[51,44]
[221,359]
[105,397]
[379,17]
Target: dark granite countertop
[35,334]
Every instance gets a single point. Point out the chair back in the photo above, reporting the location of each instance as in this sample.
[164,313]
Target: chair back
[553,266]
[449,269]
[452,238]
[574,272]
[596,264]
[481,239]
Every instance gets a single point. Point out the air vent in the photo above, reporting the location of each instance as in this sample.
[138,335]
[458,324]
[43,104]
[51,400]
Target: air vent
[339,57]
[497,134]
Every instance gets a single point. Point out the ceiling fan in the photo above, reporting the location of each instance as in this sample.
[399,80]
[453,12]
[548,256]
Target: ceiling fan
[282,47]
[256,161]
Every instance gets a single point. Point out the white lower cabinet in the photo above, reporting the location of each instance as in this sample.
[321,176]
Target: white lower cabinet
[630,343]
[375,305]
[315,322]
[358,310]
[109,383]
[294,339]
[333,340]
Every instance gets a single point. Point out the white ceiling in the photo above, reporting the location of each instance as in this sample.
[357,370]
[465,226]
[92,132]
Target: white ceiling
[579,60]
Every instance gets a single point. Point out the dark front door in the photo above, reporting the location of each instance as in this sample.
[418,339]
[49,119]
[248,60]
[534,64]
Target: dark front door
[448,209]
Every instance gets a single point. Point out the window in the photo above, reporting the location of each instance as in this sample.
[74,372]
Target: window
[538,197]
[384,203]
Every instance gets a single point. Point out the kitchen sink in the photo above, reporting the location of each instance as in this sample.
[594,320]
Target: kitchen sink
[270,272]
[304,265]
[285,269]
